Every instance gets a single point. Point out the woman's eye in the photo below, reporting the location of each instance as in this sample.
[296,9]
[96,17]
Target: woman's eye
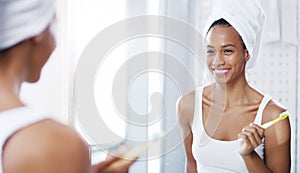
[209,52]
[228,51]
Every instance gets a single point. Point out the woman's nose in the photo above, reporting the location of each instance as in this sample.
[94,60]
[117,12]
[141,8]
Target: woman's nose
[218,60]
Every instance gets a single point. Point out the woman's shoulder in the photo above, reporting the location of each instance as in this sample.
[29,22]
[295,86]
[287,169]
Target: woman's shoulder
[278,136]
[272,110]
[185,107]
[186,103]
[281,129]
[46,145]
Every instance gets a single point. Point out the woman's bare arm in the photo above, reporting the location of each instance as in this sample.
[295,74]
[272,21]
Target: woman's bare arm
[185,114]
[277,144]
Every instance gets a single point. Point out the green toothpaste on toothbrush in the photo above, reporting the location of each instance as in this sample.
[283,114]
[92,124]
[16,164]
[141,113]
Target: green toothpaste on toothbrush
[282,116]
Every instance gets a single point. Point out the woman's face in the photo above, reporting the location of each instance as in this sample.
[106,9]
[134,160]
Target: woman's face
[43,49]
[226,56]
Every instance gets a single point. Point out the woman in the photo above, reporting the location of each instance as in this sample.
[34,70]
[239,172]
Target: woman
[30,141]
[222,121]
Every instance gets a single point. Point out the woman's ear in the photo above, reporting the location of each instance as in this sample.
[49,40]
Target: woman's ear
[38,38]
[247,56]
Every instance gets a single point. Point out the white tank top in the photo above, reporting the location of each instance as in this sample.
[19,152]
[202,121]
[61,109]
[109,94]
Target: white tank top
[216,156]
[14,120]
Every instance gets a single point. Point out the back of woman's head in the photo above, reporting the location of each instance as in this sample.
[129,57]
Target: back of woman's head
[23,19]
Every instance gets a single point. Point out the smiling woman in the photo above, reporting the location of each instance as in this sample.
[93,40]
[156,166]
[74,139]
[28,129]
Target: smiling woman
[226,117]
[226,52]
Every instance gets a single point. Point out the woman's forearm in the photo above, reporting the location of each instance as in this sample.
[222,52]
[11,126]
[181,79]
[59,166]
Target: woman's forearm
[255,164]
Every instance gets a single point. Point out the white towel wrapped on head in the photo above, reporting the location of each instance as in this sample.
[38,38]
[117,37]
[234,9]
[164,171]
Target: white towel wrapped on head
[247,17]
[23,19]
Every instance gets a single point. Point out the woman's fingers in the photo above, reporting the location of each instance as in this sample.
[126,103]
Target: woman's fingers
[245,147]
[105,164]
[118,153]
[259,129]
[251,138]
[113,165]
[115,162]
[120,166]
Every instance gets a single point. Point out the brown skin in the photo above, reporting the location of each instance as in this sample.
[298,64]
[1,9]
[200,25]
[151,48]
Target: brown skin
[230,106]
[46,146]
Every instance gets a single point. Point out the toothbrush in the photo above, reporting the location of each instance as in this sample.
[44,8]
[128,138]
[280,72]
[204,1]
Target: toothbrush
[137,150]
[282,116]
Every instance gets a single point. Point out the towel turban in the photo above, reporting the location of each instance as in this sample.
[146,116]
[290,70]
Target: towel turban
[246,17]
[23,19]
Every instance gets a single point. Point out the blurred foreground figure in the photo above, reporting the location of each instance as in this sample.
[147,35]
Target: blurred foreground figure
[30,141]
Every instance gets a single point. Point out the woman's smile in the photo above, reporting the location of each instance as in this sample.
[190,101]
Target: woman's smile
[221,72]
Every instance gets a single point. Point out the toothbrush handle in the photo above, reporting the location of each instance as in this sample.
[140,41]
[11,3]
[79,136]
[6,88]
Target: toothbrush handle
[270,123]
[267,125]
[136,151]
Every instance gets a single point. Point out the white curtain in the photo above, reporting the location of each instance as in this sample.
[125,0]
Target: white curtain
[281,23]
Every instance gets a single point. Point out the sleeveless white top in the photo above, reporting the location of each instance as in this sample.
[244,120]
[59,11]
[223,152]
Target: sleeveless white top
[216,156]
[14,120]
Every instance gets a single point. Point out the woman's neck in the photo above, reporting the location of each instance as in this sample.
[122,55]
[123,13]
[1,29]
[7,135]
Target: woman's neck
[11,77]
[233,93]
[9,91]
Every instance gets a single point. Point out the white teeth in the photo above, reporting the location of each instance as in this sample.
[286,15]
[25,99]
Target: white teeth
[221,72]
